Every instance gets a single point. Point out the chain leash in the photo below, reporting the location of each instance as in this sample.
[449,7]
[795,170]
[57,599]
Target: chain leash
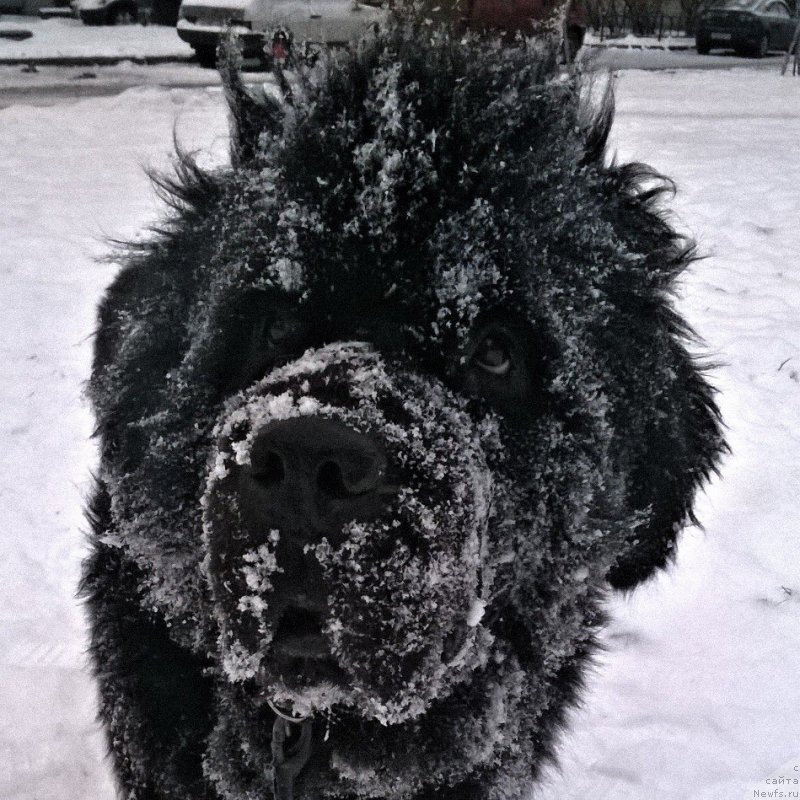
[288,762]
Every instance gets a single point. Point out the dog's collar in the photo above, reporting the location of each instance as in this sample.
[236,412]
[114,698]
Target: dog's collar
[287,715]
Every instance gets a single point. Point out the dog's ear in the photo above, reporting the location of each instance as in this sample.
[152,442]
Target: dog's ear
[596,119]
[253,111]
[675,439]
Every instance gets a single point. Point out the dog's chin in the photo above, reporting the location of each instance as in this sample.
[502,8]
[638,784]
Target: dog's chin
[298,672]
[298,685]
[301,688]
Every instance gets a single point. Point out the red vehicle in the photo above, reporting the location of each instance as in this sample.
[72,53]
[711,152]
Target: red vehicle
[525,16]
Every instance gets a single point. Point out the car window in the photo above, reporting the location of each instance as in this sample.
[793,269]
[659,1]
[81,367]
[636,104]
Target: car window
[739,5]
[778,9]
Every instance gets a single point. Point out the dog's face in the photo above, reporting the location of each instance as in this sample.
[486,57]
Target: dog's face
[388,406]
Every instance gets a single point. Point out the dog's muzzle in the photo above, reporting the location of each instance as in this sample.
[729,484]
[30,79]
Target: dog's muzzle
[345,517]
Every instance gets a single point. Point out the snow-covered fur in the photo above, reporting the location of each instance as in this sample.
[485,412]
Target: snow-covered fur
[420,246]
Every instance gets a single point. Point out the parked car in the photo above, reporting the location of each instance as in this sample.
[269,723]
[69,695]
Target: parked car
[525,16]
[328,22]
[119,12]
[750,27]
[338,22]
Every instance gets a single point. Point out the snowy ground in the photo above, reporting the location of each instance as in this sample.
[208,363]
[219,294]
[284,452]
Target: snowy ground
[51,83]
[59,84]
[659,58]
[697,695]
[70,38]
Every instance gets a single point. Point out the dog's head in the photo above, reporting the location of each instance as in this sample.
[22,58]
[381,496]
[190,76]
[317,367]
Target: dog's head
[388,405]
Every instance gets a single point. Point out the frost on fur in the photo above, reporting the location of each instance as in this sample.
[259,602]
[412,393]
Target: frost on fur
[386,408]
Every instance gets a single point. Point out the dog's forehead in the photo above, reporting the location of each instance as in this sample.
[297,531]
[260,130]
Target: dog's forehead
[421,194]
[409,182]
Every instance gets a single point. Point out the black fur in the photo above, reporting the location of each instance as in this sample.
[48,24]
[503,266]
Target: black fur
[426,197]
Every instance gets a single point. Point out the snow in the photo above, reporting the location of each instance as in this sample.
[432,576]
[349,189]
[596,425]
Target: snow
[476,611]
[71,177]
[696,695]
[666,42]
[16,83]
[70,38]
[627,58]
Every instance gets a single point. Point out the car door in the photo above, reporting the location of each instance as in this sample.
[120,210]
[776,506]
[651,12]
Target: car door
[788,22]
[343,21]
[780,23]
[292,16]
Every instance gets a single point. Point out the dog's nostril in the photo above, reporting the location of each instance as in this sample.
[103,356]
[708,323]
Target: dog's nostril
[269,468]
[330,480]
[299,635]
[312,474]
[348,478]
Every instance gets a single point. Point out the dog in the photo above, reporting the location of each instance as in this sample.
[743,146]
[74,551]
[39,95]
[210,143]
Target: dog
[385,409]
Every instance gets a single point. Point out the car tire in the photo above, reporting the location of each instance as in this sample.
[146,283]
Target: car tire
[121,15]
[574,41]
[763,46]
[206,56]
[703,47]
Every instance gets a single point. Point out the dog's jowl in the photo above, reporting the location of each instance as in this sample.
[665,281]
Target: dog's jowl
[386,409]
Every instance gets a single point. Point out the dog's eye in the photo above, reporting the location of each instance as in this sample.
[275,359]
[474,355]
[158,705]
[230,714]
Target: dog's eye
[505,366]
[260,333]
[493,355]
[280,330]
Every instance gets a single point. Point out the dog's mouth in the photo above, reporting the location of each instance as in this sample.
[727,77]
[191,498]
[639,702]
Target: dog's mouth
[299,636]
[300,654]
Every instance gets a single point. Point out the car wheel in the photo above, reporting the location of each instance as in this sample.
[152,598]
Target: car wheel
[574,41]
[121,15]
[206,56]
[763,46]
[703,47]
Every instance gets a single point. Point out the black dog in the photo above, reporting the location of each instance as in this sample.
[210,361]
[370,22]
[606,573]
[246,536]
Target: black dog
[384,410]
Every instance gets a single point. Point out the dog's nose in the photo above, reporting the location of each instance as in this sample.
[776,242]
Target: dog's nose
[313,474]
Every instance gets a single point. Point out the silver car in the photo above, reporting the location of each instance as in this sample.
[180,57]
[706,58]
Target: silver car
[270,27]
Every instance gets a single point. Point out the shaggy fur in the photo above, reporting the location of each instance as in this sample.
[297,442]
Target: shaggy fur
[421,245]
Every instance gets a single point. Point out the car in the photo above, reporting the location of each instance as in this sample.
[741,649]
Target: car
[106,12]
[274,23]
[268,28]
[749,27]
[120,12]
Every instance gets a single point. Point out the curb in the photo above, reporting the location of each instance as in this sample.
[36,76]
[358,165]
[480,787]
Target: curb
[90,61]
[664,48]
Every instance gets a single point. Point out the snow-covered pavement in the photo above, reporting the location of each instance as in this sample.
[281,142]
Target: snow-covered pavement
[59,84]
[72,175]
[59,38]
[696,697]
